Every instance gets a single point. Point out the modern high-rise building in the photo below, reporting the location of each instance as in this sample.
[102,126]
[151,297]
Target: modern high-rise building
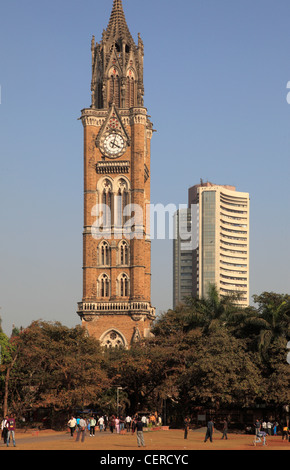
[220,241]
[182,256]
[116,303]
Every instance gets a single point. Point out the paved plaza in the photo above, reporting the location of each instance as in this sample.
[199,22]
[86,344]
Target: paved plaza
[154,441]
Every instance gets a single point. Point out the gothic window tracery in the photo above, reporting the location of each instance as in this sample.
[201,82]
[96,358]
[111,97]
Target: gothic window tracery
[104,286]
[114,87]
[107,199]
[122,200]
[130,89]
[104,254]
[113,339]
[124,253]
[123,285]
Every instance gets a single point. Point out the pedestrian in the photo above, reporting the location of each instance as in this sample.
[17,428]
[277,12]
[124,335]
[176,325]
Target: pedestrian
[186,427]
[11,430]
[81,430]
[93,423]
[122,423]
[133,424]
[4,429]
[209,431]
[112,424]
[285,431]
[128,420]
[257,427]
[117,425]
[225,429]
[275,426]
[101,423]
[72,425]
[139,432]
[269,428]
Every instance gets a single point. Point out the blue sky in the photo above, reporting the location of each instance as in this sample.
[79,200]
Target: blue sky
[216,73]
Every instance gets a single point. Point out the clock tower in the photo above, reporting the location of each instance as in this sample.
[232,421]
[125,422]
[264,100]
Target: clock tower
[116,305]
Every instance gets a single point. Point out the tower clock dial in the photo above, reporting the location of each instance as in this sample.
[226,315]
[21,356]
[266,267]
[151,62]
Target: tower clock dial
[113,145]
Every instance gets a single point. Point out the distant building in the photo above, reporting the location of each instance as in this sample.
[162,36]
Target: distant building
[219,218]
[182,257]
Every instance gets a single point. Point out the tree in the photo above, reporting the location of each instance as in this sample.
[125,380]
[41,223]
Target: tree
[57,368]
[273,314]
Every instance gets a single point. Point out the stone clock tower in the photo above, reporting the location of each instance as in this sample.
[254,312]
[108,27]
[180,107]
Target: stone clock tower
[116,304]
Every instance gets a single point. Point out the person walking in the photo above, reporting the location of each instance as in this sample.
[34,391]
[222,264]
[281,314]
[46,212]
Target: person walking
[139,432]
[81,430]
[4,429]
[209,431]
[128,423]
[72,425]
[112,424]
[225,429]
[11,430]
[117,425]
[257,427]
[186,427]
[285,431]
[93,423]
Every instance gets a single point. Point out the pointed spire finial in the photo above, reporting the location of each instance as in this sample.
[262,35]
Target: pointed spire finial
[117,26]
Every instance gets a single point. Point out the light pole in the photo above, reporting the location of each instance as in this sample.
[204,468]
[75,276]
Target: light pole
[118,388]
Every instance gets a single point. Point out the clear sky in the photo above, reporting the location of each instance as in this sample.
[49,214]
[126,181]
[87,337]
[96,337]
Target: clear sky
[216,74]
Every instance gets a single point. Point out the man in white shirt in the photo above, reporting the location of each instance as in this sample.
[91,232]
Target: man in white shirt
[101,423]
[128,423]
[72,425]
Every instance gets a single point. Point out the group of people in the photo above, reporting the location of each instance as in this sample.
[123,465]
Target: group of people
[8,430]
[114,424]
[266,427]
[262,430]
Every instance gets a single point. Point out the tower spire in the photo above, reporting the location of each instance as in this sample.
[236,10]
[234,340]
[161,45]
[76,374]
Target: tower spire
[117,26]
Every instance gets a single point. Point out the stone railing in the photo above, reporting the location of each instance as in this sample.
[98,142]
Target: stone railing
[130,307]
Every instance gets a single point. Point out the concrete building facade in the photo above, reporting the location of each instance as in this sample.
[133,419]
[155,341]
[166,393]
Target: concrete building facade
[220,219]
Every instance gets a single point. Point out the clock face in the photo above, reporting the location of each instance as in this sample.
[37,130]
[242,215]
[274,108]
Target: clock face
[114,145]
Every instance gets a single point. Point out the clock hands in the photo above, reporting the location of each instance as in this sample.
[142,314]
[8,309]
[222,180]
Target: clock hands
[113,143]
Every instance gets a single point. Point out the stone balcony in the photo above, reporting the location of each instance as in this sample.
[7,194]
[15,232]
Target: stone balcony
[88,310]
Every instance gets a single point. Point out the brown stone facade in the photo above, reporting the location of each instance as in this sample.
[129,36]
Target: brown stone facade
[116,304]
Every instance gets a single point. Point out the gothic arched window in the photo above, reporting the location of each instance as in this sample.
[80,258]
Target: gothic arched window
[123,286]
[124,253]
[113,339]
[104,286]
[104,254]
[114,87]
[107,199]
[130,89]
[122,201]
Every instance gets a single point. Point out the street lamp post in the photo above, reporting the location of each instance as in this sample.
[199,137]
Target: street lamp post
[118,388]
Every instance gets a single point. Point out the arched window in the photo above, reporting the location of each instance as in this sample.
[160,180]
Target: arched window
[123,286]
[104,286]
[104,254]
[130,89]
[124,253]
[122,201]
[114,87]
[107,202]
[113,339]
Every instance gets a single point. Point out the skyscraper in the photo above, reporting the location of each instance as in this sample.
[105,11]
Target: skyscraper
[220,240]
[116,304]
